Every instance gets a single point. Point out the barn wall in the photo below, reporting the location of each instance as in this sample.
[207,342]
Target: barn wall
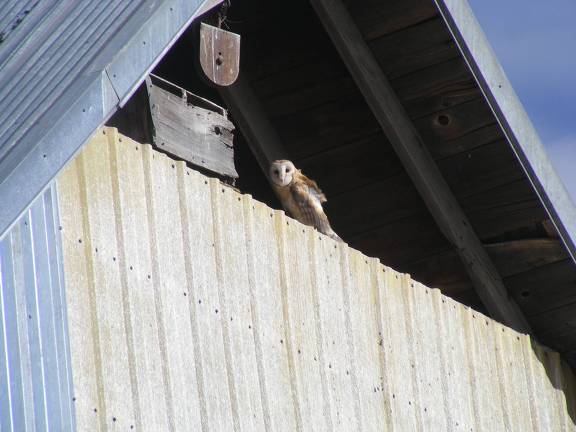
[193,307]
[35,371]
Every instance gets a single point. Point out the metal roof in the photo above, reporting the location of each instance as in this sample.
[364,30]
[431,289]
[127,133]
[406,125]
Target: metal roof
[35,368]
[65,67]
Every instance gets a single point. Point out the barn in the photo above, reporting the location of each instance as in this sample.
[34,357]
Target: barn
[143,289]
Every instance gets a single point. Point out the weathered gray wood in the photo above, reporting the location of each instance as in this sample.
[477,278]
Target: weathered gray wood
[219,54]
[191,132]
[417,161]
[252,120]
[376,20]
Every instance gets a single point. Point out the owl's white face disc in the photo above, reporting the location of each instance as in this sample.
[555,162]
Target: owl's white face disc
[281,172]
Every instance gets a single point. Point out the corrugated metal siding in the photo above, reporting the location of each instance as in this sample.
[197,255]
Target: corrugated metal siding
[35,372]
[64,69]
[197,308]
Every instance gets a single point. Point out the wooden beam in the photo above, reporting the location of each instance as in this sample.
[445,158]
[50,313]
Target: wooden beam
[249,115]
[418,162]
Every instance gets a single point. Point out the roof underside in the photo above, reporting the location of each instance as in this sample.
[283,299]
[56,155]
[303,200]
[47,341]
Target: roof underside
[330,133]
[64,69]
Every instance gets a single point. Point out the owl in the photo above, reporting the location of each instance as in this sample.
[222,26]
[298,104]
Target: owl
[300,196]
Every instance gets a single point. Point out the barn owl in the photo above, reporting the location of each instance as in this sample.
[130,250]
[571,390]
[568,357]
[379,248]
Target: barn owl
[300,196]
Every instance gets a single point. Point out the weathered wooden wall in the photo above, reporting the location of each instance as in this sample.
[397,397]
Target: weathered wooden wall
[192,307]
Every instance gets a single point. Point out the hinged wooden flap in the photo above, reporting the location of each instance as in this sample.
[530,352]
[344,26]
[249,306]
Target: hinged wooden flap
[219,54]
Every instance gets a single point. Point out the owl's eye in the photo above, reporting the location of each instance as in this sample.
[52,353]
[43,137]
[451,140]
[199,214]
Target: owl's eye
[276,172]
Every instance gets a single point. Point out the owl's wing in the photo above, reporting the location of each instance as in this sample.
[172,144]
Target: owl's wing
[311,212]
[313,188]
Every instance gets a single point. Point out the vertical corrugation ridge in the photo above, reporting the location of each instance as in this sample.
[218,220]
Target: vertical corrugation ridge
[346,291]
[464,313]
[328,409]
[407,286]
[198,365]
[215,187]
[147,161]
[380,289]
[88,247]
[6,421]
[34,330]
[60,314]
[249,233]
[50,365]
[281,240]
[120,247]
[436,297]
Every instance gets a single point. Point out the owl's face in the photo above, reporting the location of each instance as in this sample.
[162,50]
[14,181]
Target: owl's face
[281,172]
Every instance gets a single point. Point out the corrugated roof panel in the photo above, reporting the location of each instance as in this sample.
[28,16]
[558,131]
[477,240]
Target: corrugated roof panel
[35,371]
[12,14]
[63,71]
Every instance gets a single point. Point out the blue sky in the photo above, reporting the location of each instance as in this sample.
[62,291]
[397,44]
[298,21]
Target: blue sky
[535,42]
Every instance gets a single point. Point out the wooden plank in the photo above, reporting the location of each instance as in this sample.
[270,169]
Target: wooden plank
[304,97]
[376,18]
[369,213]
[469,140]
[511,258]
[414,48]
[326,126]
[508,221]
[365,161]
[319,69]
[436,88]
[201,136]
[391,244]
[219,54]
[544,288]
[417,161]
[454,122]
[480,170]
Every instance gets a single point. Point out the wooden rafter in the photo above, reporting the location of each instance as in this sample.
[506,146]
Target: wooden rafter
[248,114]
[418,162]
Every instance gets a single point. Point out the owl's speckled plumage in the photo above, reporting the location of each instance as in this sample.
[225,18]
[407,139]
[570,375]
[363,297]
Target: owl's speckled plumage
[300,196]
